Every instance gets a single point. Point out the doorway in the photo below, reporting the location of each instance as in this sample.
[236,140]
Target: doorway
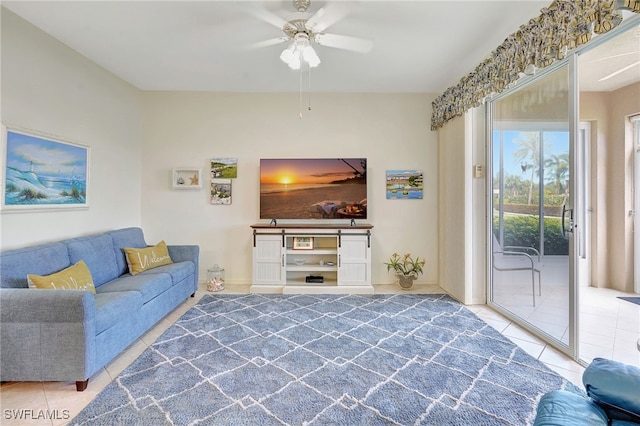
[609,93]
[563,150]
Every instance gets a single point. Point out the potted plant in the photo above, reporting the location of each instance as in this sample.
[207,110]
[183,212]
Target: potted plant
[406,268]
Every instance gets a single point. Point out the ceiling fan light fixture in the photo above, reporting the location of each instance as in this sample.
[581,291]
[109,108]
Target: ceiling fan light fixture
[300,49]
[310,56]
[291,56]
[287,54]
[295,63]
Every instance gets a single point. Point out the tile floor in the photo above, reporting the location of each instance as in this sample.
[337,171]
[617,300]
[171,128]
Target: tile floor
[609,327]
[61,401]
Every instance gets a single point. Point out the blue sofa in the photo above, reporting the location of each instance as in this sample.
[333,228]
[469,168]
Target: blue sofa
[613,398]
[68,335]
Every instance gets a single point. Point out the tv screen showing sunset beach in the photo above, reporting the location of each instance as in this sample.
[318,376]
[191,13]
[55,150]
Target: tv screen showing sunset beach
[313,188]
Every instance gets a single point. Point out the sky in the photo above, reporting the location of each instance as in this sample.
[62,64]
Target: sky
[48,157]
[307,171]
[556,143]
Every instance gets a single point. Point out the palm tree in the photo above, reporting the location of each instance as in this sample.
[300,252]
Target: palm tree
[529,155]
[558,166]
[514,185]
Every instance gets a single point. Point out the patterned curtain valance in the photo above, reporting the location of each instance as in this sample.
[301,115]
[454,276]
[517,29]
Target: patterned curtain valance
[562,26]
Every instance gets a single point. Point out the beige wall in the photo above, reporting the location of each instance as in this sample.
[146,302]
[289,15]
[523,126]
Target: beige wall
[188,129]
[462,207]
[136,138]
[624,102]
[48,88]
[455,202]
[594,109]
[612,184]
[478,212]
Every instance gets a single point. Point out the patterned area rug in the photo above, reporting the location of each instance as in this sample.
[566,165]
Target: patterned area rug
[635,300]
[327,359]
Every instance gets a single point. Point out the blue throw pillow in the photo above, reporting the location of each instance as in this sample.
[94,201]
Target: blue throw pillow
[562,408]
[615,387]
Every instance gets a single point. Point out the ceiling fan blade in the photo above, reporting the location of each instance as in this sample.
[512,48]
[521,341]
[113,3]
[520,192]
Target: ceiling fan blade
[615,56]
[354,44]
[267,43]
[326,16]
[266,16]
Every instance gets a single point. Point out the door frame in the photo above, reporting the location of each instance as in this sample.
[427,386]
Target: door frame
[570,62]
[635,128]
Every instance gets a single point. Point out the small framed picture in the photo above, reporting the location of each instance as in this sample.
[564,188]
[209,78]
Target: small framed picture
[186,178]
[221,191]
[303,243]
[224,168]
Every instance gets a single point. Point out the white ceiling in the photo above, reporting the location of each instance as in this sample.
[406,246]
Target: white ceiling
[612,64]
[420,46]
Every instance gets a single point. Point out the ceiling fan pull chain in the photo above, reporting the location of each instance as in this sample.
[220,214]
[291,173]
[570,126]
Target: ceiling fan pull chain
[300,96]
[309,106]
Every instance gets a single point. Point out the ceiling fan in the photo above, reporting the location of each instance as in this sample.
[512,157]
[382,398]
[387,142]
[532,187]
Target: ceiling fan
[302,29]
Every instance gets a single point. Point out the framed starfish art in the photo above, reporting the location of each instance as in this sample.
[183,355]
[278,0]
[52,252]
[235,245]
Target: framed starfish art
[186,178]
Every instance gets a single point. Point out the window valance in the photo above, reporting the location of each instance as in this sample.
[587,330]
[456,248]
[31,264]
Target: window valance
[562,26]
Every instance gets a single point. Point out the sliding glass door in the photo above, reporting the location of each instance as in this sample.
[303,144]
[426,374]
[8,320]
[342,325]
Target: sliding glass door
[607,235]
[565,211]
[531,248]
[635,129]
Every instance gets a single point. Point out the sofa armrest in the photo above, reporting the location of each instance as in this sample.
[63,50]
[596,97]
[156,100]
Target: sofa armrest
[615,387]
[181,253]
[33,305]
[46,335]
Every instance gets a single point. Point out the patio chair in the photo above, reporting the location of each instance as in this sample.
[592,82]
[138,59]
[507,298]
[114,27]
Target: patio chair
[503,260]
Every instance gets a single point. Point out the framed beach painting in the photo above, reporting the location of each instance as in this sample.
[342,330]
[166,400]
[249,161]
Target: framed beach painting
[41,172]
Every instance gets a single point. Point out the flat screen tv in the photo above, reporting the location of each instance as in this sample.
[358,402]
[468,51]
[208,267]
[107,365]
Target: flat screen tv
[313,188]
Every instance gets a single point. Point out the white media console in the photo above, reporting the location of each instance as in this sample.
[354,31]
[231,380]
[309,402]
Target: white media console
[307,258]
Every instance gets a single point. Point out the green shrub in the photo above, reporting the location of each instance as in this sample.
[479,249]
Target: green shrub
[522,230]
[554,242]
[549,199]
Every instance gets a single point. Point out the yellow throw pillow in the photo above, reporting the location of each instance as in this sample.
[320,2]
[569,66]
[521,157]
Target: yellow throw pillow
[76,277]
[143,259]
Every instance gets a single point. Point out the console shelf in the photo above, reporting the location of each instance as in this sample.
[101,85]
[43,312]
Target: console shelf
[284,256]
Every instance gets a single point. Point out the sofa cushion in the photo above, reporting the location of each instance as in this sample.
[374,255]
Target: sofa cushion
[97,252]
[126,237]
[148,285]
[178,271]
[76,277]
[143,259]
[113,307]
[562,408]
[614,386]
[42,259]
